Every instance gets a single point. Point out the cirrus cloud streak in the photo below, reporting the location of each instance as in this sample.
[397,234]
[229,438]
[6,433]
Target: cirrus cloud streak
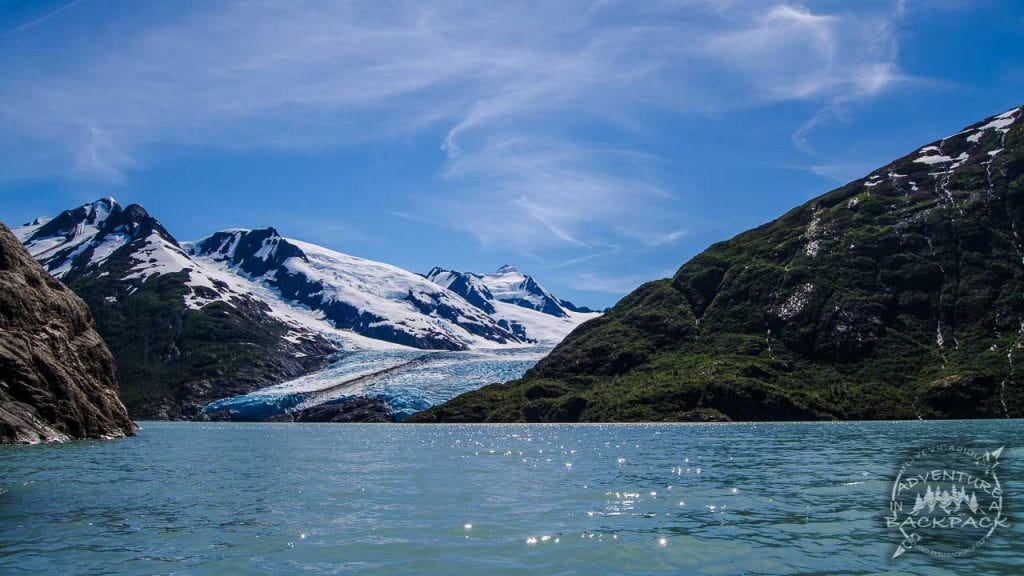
[514,93]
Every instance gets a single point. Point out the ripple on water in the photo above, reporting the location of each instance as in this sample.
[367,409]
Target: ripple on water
[601,499]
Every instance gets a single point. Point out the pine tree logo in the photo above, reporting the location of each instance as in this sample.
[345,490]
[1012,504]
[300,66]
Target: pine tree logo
[947,501]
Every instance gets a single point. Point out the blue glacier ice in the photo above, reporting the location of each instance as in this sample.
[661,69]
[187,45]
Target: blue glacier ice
[407,381]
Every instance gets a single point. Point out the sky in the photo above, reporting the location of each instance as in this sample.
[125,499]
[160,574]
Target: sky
[595,145]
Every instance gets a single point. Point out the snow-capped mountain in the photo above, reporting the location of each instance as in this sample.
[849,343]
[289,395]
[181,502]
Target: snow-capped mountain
[370,298]
[87,236]
[127,246]
[182,333]
[517,300]
[509,285]
[191,322]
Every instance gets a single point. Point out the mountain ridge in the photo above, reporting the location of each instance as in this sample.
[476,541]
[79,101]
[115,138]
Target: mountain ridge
[894,296]
[517,300]
[389,307]
[241,309]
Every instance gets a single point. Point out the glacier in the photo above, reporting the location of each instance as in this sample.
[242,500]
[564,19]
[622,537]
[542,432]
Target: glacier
[406,380]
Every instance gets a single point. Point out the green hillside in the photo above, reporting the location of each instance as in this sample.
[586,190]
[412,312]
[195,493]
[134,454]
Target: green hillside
[900,295]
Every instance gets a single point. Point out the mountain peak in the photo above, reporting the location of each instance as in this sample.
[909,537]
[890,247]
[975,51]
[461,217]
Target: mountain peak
[135,212]
[135,222]
[508,284]
[86,236]
[99,209]
[435,271]
[255,252]
[465,284]
[37,221]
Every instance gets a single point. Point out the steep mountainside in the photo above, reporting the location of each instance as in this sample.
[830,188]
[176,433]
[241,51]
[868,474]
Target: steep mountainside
[899,295]
[57,379]
[182,335]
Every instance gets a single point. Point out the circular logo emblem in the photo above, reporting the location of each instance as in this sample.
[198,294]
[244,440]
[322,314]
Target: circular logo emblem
[946,500]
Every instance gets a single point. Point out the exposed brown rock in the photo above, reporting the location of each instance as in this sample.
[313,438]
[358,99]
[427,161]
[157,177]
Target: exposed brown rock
[350,410]
[57,378]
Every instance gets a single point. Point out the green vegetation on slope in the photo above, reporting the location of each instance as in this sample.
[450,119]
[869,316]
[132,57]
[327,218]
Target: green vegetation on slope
[900,295]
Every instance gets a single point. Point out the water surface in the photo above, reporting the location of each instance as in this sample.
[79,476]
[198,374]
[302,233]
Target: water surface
[229,498]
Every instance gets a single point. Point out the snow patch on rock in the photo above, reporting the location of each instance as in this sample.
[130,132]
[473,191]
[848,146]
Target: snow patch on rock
[795,303]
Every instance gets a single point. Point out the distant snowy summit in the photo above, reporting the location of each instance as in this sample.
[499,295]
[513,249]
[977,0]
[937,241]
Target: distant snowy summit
[517,300]
[242,309]
[509,285]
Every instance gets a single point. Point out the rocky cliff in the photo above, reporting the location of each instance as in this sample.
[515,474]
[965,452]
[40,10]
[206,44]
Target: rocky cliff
[899,295]
[57,378]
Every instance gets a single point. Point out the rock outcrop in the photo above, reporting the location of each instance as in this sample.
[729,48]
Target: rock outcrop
[350,410]
[57,378]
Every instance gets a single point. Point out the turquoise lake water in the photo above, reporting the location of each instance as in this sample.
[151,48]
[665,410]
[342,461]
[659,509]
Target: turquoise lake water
[224,498]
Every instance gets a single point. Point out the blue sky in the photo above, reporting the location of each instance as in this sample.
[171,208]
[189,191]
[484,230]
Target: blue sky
[595,145]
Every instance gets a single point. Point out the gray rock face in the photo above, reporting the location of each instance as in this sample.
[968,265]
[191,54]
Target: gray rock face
[57,378]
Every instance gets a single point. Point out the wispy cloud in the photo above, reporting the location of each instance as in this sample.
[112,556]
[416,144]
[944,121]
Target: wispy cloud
[581,259]
[408,216]
[617,284]
[513,91]
[664,238]
[841,173]
[790,52]
[41,19]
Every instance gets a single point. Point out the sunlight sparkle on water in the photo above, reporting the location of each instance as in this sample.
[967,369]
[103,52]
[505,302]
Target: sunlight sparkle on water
[384,484]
